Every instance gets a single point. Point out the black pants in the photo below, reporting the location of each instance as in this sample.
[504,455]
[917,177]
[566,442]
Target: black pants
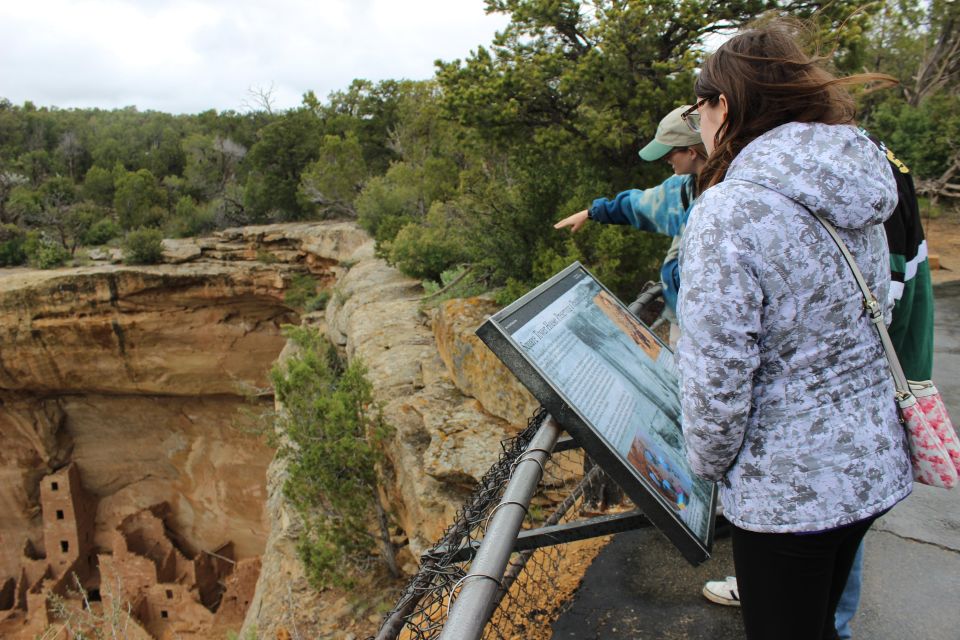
[790,584]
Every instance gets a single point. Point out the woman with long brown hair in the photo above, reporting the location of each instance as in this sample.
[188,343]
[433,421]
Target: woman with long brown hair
[786,396]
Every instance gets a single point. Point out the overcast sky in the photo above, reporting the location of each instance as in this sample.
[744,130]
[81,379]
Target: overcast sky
[187,56]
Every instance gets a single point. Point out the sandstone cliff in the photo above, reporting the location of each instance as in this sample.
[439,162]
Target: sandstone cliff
[449,401]
[138,375]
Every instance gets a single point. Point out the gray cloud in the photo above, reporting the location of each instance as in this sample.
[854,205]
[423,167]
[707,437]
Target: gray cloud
[185,56]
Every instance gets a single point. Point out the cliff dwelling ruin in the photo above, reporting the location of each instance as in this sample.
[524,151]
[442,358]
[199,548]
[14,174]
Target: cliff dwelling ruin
[143,584]
[126,458]
[135,377]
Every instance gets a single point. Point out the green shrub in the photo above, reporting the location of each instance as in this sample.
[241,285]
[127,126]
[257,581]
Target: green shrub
[386,204]
[139,200]
[335,431]
[511,291]
[155,217]
[12,239]
[143,246]
[328,186]
[265,257]
[427,249]
[318,302]
[303,287]
[23,203]
[98,186]
[460,282]
[302,293]
[44,252]
[190,219]
[101,232]
[425,253]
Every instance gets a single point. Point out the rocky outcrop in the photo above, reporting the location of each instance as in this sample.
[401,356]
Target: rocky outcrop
[446,433]
[425,368]
[166,330]
[473,367]
[141,375]
[149,379]
[202,328]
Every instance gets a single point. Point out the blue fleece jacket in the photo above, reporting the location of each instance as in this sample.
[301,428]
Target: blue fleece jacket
[659,209]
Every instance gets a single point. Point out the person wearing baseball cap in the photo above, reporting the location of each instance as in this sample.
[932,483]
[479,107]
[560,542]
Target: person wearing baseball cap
[672,133]
[660,209]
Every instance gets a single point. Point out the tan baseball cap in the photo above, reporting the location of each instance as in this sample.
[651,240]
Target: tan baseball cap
[672,132]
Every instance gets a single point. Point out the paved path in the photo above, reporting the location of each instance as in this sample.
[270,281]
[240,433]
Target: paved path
[639,587]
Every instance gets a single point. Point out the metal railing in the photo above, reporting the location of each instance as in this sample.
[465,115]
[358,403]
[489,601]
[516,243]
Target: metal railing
[470,612]
[514,528]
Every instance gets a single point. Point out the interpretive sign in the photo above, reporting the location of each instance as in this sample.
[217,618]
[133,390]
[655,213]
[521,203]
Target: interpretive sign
[612,384]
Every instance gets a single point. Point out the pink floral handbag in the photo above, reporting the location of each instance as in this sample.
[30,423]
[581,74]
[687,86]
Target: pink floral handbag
[934,448]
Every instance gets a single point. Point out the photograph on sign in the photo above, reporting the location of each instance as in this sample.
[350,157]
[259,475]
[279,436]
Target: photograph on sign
[614,384]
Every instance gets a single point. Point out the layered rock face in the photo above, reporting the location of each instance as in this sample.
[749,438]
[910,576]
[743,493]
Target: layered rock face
[450,402]
[150,378]
[171,330]
[137,375]
[140,376]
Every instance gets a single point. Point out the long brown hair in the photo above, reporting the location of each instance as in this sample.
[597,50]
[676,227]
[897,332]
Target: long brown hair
[768,80]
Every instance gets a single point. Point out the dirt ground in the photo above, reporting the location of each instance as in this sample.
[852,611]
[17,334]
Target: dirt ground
[943,244]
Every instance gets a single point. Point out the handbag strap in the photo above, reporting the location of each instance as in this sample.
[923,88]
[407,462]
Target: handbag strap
[873,308]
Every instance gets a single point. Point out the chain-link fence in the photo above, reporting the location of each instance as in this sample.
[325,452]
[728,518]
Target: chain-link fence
[525,606]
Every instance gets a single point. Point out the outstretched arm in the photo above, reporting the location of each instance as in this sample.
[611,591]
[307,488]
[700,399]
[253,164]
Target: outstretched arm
[575,222]
[659,209]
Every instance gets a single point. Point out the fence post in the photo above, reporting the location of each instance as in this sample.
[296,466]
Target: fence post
[471,610]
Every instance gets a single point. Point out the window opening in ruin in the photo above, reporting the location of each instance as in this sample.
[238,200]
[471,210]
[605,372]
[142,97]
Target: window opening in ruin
[138,530]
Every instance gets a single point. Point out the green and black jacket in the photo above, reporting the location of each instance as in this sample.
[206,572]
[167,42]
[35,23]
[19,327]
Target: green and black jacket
[910,288]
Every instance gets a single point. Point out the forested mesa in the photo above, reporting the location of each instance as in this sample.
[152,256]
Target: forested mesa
[462,174]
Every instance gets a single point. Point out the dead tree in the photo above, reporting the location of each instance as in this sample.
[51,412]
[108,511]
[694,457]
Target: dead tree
[941,67]
[947,185]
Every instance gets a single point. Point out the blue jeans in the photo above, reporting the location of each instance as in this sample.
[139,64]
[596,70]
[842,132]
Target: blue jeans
[850,598]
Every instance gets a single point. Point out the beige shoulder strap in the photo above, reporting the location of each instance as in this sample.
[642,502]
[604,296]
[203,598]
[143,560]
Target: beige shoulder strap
[873,308]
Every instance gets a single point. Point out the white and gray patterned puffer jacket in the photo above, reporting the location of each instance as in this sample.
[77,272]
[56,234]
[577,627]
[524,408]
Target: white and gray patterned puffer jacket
[786,394]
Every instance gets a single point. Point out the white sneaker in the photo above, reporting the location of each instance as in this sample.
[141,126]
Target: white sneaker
[723,592]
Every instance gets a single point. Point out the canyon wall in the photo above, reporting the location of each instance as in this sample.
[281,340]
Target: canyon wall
[137,375]
[150,380]
[450,402]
